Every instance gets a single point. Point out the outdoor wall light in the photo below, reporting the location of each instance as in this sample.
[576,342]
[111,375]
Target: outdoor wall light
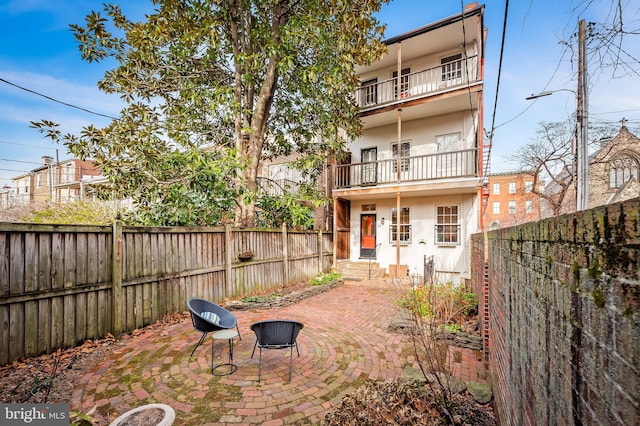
[382,221]
[422,242]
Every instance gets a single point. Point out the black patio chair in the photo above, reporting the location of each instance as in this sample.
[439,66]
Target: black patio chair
[202,311]
[276,334]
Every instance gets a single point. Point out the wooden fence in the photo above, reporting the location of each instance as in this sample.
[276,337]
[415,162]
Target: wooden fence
[61,285]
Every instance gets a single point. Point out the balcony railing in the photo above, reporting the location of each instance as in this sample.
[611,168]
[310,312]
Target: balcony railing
[445,165]
[420,83]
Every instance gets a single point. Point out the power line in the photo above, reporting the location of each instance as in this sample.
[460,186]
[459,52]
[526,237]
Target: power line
[18,161]
[22,144]
[56,100]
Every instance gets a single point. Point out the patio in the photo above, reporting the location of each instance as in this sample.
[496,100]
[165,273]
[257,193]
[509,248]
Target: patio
[346,341]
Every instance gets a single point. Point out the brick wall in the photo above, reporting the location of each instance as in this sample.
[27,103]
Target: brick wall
[564,318]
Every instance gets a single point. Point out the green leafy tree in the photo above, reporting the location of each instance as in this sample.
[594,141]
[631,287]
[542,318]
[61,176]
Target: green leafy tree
[214,87]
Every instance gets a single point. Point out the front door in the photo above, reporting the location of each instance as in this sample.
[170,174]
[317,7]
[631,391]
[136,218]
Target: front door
[367,235]
[369,165]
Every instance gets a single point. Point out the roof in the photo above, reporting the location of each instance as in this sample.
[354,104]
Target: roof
[467,12]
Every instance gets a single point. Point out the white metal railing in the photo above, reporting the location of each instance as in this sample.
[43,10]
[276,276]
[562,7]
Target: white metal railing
[454,164]
[451,74]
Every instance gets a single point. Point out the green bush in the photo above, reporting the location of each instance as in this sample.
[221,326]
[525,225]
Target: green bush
[325,278]
[443,301]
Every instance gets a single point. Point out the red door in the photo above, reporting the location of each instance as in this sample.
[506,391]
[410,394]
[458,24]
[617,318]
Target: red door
[367,235]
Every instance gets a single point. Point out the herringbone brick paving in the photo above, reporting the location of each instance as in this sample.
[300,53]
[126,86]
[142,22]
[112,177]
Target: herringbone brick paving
[346,340]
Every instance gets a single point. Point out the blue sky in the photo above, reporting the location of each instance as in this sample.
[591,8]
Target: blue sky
[38,52]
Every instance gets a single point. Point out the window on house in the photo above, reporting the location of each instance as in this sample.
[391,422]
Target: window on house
[447,231]
[404,83]
[405,226]
[369,92]
[512,207]
[496,207]
[528,206]
[38,180]
[528,186]
[621,171]
[496,188]
[451,69]
[405,151]
[512,187]
[448,158]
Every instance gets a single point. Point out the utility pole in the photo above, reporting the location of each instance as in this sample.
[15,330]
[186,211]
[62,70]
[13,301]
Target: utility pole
[582,153]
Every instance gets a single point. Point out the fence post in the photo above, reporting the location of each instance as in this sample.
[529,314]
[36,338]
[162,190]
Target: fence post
[285,253]
[228,260]
[117,298]
[320,251]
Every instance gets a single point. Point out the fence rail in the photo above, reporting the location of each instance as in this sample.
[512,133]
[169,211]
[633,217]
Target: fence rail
[62,285]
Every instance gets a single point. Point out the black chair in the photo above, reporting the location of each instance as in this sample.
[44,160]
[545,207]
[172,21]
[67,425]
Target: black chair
[276,334]
[226,319]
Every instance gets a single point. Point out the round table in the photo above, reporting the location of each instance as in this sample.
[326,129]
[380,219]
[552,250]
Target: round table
[227,335]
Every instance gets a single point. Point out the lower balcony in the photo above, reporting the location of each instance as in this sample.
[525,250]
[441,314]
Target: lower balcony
[420,168]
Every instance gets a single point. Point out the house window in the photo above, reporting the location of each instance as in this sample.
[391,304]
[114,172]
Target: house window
[405,226]
[404,83]
[528,206]
[38,180]
[451,70]
[496,188]
[496,207]
[368,207]
[405,151]
[369,92]
[447,231]
[448,158]
[512,207]
[621,171]
[512,187]
[528,186]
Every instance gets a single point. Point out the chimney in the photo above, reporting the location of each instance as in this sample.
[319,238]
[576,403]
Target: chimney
[46,160]
[470,6]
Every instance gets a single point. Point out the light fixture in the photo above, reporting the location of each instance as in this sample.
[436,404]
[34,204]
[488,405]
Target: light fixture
[382,221]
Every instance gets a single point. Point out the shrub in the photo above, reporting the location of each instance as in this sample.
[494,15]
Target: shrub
[325,278]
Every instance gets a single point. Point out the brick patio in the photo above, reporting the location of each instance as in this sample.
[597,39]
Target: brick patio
[346,340]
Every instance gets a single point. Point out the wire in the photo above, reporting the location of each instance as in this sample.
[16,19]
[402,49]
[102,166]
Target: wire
[19,161]
[55,100]
[22,144]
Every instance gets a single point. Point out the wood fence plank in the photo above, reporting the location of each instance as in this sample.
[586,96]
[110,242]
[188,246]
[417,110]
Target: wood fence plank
[82,258]
[57,260]
[5,256]
[44,327]
[30,262]
[80,312]
[92,316]
[31,328]
[16,268]
[5,355]
[44,261]
[93,254]
[16,331]
[69,315]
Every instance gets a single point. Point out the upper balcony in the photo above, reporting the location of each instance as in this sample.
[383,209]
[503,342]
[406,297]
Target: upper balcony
[453,74]
[427,92]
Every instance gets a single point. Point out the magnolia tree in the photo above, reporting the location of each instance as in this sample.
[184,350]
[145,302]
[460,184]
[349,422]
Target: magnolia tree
[212,88]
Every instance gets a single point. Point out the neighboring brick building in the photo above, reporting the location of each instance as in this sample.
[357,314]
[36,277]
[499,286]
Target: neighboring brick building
[511,200]
[66,180]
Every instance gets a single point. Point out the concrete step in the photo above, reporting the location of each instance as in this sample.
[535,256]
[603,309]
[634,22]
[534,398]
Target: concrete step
[360,270]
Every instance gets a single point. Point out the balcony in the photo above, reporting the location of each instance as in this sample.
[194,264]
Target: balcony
[420,168]
[450,75]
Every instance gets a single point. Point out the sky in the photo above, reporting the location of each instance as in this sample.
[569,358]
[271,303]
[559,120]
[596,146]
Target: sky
[38,53]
